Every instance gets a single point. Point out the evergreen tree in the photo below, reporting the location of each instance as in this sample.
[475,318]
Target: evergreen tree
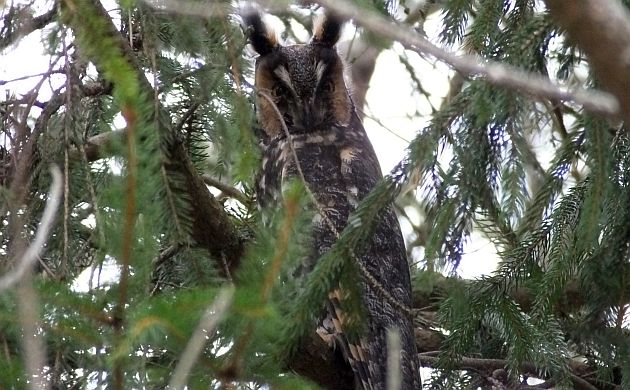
[132,161]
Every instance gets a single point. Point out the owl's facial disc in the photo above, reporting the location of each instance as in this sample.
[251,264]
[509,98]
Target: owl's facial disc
[304,85]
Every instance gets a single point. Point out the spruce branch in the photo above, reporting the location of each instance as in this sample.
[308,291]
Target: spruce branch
[10,35]
[212,226]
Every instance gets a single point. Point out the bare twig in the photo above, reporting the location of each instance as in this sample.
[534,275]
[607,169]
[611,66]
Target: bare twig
[25,260]
[226,189]
[48,73]
[26,27]
[204,330]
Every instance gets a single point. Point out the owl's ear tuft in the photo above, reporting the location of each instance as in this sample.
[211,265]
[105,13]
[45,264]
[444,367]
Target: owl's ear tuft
[327,30]
[261,36]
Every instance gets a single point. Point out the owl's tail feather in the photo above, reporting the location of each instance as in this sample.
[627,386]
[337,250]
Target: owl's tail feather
[332,331]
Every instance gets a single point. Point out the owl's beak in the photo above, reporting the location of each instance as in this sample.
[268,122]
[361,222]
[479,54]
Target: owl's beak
[307,115]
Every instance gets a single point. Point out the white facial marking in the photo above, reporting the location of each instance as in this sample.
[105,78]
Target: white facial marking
[319,70]
[283,74]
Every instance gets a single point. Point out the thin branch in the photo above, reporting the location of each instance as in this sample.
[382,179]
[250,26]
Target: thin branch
[20,277]
[48,73]
[226,189]
[203,332]
[495,73]
[495,364]
[26,260]
[26,27]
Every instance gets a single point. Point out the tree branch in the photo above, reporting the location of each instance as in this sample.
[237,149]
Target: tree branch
[602,30]
[496,364]
[206,327]
[25,27]
[495,73]
[24,261]
[212,226]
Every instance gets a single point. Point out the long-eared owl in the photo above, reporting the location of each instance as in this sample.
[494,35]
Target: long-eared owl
[306,113]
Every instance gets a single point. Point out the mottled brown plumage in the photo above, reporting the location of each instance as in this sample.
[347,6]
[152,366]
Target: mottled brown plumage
[306,113]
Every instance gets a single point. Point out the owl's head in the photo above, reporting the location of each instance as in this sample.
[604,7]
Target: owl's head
[302,85]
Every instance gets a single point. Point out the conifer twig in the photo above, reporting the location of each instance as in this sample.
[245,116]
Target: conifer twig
[204,330]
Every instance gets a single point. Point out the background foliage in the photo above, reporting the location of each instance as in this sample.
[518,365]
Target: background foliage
[144,106]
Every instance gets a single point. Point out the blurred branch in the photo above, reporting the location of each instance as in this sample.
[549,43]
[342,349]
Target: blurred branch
[26,260]
[25,26]
[23,259]
[202,334]
[602,30]
[495,73]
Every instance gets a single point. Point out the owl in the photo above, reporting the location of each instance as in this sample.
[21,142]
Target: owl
[311,132]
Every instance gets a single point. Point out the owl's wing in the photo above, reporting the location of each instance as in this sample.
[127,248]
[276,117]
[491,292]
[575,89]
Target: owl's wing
[321,163]
[387,284]
[340,168]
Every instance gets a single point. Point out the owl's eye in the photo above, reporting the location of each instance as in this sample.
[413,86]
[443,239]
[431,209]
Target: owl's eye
[327,86]
[279,90]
